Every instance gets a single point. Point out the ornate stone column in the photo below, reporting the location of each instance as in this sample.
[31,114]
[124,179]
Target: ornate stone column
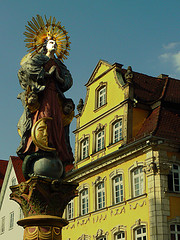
[43,202]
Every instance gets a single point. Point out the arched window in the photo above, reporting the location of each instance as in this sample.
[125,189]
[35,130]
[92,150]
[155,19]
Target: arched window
[138,181]
[100,195]
[101,96]
[85,148]
[117,131]
[84,201]
[120,235]
[140,233]
[99,140]
[70,210]
[118,195]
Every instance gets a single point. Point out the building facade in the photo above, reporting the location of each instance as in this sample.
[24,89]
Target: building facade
[127,159]
[10,211]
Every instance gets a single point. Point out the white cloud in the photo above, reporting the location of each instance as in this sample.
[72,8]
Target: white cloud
[165,56]
[171,45]
[171,55]
[176,59]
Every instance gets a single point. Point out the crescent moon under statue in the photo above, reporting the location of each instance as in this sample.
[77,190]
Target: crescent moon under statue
[39,134]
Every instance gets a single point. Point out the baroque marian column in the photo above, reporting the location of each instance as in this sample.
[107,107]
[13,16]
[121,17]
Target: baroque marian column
[44,129]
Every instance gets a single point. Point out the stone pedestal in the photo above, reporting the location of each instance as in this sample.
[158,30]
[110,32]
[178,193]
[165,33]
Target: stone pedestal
[43,201]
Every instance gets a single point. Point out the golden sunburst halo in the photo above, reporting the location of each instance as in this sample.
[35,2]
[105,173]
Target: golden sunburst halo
[38,31]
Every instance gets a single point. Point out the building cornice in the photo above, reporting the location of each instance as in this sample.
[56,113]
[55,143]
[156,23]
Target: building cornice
[102,116]
[121,155]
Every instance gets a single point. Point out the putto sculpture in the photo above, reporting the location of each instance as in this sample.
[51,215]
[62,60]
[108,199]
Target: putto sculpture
[44,124]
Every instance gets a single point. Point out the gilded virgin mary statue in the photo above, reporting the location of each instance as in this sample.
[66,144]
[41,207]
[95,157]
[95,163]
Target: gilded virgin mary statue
[44,124]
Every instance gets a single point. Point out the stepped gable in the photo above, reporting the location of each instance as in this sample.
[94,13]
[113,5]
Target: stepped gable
[3,166]
[17,164]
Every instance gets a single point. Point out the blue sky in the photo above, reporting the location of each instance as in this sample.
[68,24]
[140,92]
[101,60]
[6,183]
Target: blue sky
[143,33]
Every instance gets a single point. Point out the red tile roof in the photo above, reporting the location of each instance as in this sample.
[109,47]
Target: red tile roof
[172,94]
[17,164]
[149,89]
[3,166]
[162,122]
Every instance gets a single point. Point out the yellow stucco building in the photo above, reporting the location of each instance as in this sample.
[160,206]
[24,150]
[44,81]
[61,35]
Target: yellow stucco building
[127,159]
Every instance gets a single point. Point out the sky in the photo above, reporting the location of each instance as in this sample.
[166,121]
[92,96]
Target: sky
[144,34]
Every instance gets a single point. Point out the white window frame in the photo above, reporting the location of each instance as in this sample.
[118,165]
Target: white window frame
[101,96]
[121,234]
[175,232]
[100,195]
[2,224]
[100,137]
[11,220]
[142,234]
[118,190]
[138,181]
[84,201]
[85,148]
[117,131]
[70,210]
[176,177]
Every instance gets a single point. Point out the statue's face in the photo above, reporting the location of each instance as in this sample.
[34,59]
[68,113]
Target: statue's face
[68,108]
[51,46]
[42,135]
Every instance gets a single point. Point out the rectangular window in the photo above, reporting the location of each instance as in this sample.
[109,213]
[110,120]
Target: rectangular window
[21,215]
[84,148]
[102,96]
[118,189]
[70,210]
[100,194]
[140,233]
[2,225]
[175,231]
[117,131]
[176,177]
[13,181]
[84,202]
[138,181]
[99,140]
[11,220]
